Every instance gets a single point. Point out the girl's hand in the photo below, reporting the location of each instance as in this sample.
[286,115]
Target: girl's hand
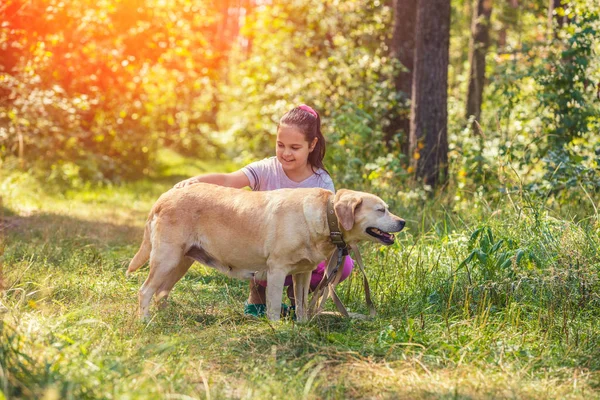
[187,182]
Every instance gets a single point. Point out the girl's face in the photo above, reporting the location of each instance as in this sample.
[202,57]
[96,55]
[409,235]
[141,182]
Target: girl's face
[292,149]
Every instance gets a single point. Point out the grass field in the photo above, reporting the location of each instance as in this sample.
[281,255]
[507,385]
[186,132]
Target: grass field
[484,303]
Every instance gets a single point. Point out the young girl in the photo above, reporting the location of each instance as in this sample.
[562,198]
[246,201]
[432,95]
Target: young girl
[298,163]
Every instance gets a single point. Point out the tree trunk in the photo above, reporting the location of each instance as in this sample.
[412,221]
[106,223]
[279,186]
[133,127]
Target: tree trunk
[480,41]
[508,18]
[402,49]
[560,20]
[429,112]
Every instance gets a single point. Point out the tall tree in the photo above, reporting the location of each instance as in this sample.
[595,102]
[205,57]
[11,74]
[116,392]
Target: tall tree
[479,43]
[553,15]
[429,113]
[403,50]
[508,15]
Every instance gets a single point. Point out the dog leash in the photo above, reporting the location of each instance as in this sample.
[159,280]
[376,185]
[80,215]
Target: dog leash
[332,270]
[327,283]
[333,273]
[361,266]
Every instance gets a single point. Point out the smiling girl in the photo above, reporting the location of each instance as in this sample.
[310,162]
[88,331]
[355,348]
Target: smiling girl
[298,163]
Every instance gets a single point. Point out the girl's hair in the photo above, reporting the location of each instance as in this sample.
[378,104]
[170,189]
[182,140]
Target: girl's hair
[307,121]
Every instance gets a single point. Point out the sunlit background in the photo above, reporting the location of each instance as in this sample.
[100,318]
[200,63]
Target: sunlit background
[94,90]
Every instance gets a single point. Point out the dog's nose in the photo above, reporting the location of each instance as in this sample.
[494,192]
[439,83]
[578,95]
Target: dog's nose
[401,224]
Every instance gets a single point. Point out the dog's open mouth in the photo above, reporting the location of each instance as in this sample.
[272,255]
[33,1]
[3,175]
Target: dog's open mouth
[384,237]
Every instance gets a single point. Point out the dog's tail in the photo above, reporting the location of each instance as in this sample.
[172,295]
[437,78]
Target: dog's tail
[143,253]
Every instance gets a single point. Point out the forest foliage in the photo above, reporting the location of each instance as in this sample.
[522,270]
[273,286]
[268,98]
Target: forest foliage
[491,290]
[90,91]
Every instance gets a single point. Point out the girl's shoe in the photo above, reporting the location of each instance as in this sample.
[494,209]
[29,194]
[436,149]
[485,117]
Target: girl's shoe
[260,310]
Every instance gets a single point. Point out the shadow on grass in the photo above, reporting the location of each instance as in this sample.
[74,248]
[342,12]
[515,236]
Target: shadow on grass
[39,242]
[7,218]
[5,212]
[176,315]
[54,228]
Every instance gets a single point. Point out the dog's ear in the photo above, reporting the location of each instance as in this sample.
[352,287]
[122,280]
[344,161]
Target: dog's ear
[345,205]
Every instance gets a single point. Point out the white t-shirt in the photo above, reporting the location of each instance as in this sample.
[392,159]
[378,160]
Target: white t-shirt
[268,174]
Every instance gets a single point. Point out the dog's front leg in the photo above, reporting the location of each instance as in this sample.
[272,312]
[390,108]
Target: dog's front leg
[275,280]
[301,286]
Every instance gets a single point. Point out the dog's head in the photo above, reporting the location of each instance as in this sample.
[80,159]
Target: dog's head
[364,216]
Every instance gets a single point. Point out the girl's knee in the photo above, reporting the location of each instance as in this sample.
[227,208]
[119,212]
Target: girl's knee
[347,267]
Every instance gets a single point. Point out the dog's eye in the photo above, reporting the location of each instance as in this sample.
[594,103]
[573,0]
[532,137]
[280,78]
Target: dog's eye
[381,210]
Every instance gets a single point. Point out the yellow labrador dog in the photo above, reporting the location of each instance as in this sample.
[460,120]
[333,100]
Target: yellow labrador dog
[243,234]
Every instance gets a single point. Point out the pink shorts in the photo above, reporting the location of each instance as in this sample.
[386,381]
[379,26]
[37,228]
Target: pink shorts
[318,273]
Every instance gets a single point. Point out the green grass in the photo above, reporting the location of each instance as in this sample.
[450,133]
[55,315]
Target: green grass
[507,311]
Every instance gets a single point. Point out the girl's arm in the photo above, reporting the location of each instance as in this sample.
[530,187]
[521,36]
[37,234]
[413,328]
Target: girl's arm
[235,179]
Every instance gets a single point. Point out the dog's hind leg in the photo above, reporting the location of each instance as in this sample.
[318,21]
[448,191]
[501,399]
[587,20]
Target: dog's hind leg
[301,287]
[164,262]
[165,288]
